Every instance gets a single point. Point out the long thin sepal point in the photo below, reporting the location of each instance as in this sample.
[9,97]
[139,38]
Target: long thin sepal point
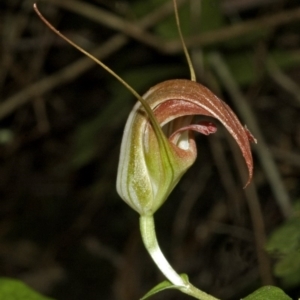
[157,128]
[186,53]
[97,61]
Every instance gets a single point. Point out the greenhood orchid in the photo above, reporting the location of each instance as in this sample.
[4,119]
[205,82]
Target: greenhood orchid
[149,169]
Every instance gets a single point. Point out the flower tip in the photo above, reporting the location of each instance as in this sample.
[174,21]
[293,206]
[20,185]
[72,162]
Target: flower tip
[250,175]
[247,183]
[250,136]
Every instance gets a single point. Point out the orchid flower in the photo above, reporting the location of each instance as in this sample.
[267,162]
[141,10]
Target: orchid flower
[158,147]
[151,162]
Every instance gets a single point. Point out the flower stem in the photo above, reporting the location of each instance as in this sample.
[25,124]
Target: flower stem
[150,241]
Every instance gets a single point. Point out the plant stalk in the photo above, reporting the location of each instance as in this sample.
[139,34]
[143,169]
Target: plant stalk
[148,233]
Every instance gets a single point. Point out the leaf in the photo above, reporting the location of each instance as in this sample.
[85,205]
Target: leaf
[286,238]
[284,244]
[288,265]
[158,288]
[11,289]
[290,280]
[268,293]
[165,285]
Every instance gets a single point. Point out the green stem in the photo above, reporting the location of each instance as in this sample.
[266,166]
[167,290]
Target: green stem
[150,241]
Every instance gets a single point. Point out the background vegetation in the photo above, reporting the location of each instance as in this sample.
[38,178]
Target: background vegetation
[63,228]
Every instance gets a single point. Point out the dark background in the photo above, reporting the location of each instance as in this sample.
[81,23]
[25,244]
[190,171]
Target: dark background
[63,228]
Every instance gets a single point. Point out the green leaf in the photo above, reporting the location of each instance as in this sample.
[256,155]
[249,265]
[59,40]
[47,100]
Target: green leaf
[165,285]
[11,289]
[268,293]
[289,264]
[288,269]
[284,244]
[286,238]
[290,280]
[158,288]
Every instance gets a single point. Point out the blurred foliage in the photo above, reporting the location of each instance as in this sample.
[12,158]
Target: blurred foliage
[11,289]
[284,245]
[268,293]
[211,19]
